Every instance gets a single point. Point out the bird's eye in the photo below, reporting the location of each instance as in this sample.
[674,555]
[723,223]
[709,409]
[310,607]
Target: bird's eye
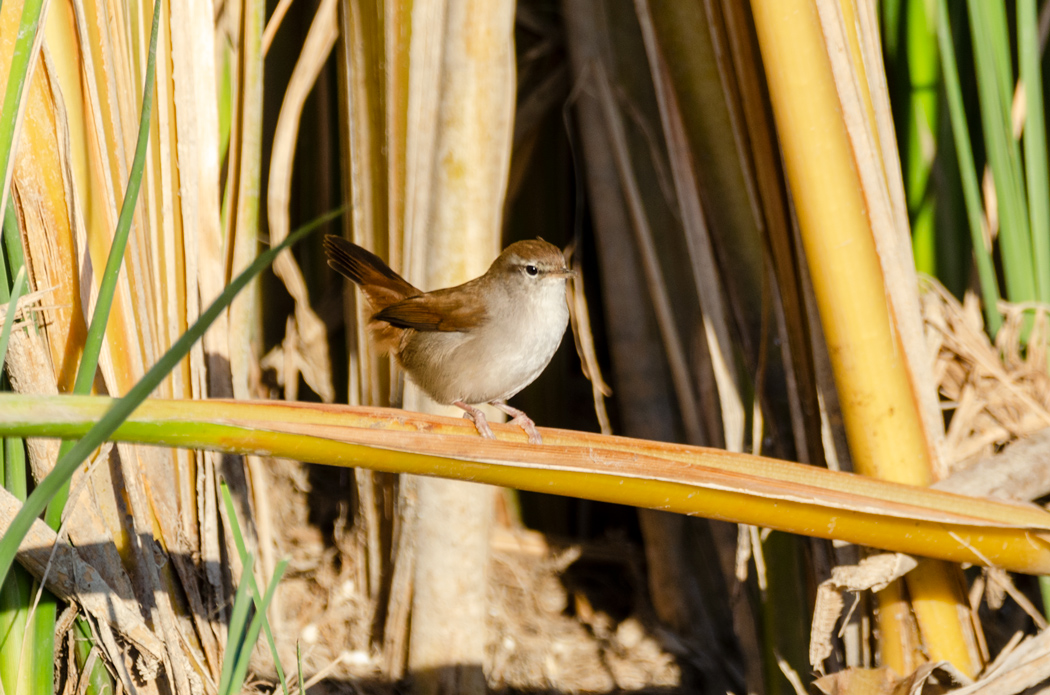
[532,270]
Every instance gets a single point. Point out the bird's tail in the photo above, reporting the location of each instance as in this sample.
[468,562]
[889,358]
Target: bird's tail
[381,285]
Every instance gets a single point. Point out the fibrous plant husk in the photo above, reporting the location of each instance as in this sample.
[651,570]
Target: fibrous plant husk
[995,393]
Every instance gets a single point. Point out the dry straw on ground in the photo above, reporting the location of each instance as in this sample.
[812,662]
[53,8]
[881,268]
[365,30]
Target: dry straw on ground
[995,393]
[542,634]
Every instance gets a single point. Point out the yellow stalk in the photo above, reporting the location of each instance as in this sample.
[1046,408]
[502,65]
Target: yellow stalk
[837,208]
[944,620]
[880,417]
[901,648]
[41,202]
[690,480]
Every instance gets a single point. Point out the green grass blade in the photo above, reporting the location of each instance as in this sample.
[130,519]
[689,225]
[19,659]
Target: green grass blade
[14,664]
[1035,154]
[15,470]
[14,456]
[43,644]
[891,12]
[1002,150]
[245,652]
[225,99]
[968,171]
[993,20]
[1044,589]
[5,281]
[16,82]
[17,668]
[299,665]
[108,285]
[235,637]
[12,241]
[99,681]
[27,648]
[920,130]
[242,551]
[36,651]
[108,424]
[12,308]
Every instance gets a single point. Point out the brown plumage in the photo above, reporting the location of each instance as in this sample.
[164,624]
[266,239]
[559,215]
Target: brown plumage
[479,342]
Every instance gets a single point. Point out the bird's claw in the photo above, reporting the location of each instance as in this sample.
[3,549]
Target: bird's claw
[525,422]
[519,418]
[478,418]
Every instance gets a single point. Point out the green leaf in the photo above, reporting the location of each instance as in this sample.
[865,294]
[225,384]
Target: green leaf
[968,172]
[9,318]
[235,638]
[242,550]
[1035,155]
[994,82]
[13,246]
[252,634]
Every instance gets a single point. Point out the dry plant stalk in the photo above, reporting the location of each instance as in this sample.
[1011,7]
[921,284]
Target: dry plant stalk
[70,173]
[998,393]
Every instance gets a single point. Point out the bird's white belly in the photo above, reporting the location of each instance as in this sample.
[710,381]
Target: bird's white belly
[493,362]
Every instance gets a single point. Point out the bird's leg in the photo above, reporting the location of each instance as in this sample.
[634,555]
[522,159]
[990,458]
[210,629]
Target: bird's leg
[478,418]
[520,419]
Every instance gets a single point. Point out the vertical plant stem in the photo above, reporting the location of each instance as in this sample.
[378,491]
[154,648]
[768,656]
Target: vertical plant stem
[9,318]
[18,664]
[239,617]
[251,635]
[1035,154]
[27,648]
[968,173]
[817,118]
[84,642]
[5,280]
[12,241]
[1002,150]
[242,550]
[15,668]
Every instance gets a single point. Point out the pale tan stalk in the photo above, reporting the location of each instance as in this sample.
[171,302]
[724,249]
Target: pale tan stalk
[74,158]
[460,125]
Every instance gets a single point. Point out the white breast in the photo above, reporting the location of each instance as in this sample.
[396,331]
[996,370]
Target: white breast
[496,360]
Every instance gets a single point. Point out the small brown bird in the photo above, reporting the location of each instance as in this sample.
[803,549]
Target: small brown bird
[479,342]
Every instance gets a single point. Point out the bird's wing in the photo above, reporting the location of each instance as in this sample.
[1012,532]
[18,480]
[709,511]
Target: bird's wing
[434,311]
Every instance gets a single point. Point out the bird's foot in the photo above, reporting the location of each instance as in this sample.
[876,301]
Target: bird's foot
[477,417]
[520,419]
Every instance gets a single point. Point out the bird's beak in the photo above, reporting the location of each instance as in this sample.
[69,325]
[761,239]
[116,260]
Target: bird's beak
[568,273]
